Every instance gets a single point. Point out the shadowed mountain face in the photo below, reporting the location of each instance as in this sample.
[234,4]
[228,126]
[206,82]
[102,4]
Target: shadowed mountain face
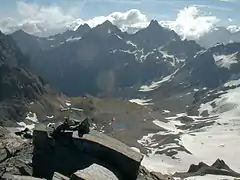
[19,87]
[17,83]
[105,59]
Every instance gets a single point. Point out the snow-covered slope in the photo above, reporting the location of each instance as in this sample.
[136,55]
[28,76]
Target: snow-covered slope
[212,133]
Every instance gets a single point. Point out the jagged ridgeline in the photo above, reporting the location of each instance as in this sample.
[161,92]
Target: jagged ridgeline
[105,60]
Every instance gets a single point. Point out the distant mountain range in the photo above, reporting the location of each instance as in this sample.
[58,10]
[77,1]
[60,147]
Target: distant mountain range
[104,58]
[218,35]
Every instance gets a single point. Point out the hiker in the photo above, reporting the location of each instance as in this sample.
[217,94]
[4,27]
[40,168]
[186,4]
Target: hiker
[81,127]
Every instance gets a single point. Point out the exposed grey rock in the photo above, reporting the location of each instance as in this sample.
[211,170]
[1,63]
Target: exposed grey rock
[15,154]
[81,152]
[110,151]
[18,177]
[144,174]
[3,154]
[58,176]
[217,168]
[94,172]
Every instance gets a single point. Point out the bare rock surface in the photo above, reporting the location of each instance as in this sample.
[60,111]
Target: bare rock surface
[94,172]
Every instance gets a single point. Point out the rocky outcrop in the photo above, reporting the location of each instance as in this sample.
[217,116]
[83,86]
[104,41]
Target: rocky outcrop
[20,89]
[94,172]
[68,153]
[219,167]
[15,155]
[18,85]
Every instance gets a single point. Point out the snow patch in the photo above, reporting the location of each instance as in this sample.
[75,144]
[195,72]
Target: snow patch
[210,177]
[205,107]
[165,111]
[50,117]
[156,84]
[207,146]
[157,164]
[68,104]
[73,39]
[232,83]
[32,117]
[226,61]
[24,126]
[143,102]
[131,43]
[136,149]
[169,126]
[119,37]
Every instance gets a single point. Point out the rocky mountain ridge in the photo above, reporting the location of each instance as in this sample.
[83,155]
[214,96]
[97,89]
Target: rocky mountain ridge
[106,54]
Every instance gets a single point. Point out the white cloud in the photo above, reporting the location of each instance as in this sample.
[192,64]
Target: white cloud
[191,23]
[130,21]
[37,19]
[44,20]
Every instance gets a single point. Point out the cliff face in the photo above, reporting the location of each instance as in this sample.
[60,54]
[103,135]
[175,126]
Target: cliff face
[18,85]
[21,91]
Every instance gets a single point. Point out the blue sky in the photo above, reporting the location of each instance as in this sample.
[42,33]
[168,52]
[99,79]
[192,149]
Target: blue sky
[21,11]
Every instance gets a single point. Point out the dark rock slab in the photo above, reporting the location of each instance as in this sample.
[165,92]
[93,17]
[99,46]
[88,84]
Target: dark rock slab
[67,153]
[59,154]
[110,151]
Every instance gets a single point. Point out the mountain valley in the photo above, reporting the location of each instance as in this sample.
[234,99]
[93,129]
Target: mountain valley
[171,99]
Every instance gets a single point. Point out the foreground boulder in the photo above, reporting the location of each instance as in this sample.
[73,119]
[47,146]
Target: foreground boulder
[15,155]
[68,152]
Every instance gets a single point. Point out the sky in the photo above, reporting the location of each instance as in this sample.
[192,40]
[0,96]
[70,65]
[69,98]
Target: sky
[189,18]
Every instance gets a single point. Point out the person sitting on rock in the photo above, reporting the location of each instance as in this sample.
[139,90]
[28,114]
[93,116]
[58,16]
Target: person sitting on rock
[82,127]
[62,127]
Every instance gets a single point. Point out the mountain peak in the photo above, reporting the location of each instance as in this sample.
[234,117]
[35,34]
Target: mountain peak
[107,23]
[83,28]
[107,27]
[154,24]
[20,31]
